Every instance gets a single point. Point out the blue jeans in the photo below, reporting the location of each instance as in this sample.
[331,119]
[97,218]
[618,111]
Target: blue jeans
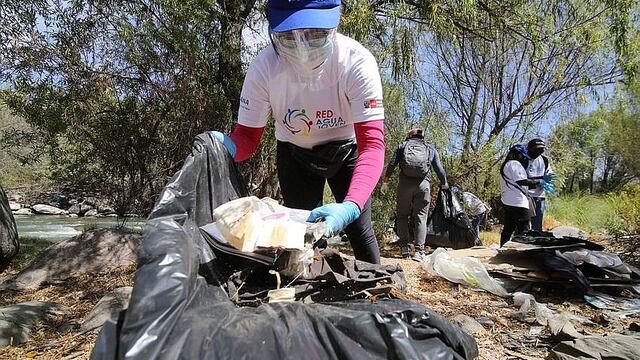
[536,221]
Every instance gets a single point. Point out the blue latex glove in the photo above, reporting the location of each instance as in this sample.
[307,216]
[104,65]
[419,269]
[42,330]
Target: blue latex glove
[226,141]
[549,177]
[547,187]
[336,216]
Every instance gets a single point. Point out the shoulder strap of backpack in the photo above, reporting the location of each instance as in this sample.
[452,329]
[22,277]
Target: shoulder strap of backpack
[546,162]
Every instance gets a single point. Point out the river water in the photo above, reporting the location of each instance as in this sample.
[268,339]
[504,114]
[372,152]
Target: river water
[56,228]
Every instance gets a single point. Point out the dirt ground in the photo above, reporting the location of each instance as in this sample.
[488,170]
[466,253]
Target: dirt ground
[58,336]
[507,339]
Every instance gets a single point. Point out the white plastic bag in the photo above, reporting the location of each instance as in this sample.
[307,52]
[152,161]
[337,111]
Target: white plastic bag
[462,270]
[248,223]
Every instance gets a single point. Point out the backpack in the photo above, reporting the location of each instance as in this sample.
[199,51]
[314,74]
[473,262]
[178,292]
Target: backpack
[415,160]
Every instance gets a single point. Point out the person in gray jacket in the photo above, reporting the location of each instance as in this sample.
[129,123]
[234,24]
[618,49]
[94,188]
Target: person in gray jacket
[413,195]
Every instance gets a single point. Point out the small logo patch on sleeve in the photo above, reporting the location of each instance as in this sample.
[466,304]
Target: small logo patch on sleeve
[373,104]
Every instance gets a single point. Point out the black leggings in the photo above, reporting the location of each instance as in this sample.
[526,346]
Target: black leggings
[515,219]
[302,189]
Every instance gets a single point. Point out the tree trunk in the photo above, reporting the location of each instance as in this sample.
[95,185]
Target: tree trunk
[230,72]
[573,178]
[605,175]
[9,244]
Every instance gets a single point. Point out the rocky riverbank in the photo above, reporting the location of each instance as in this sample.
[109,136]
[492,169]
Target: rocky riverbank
[72,205]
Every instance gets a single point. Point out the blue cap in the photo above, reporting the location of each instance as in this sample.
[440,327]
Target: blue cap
[285,15]
[521,149]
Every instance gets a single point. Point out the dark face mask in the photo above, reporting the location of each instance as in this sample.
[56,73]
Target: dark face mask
[534,153]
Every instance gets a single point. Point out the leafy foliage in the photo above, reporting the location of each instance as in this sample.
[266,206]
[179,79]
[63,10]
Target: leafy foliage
[598,151]
[119,89]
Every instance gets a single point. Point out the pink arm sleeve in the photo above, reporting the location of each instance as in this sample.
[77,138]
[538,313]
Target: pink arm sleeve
[247,140]
[370,139]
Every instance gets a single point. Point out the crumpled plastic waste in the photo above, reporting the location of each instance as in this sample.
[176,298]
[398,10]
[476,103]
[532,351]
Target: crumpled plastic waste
[609,346]
[462,270]
[560,324]
[616,306]
[248,223]
[600,259]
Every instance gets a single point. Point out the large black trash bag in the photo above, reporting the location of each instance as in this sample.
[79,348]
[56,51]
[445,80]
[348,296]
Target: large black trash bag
[9,244]
[545,238]
[449,225]
[174,313]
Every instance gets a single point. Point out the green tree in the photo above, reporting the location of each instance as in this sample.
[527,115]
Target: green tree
[598,151]
[496,69]
[119,89]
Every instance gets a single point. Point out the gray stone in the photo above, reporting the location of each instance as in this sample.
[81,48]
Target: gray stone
[14,206]
[110,305]
[23,211]
[17,321]
[92,212]
[560,231]
[91,252]
[74,209]
[106,210]
[13,197]
[486,322]
[67,326]
[84,208]
[468,324]
[48,210]
[80,209]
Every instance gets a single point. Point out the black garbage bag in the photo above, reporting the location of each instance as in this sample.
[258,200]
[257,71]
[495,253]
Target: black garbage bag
[9,244]
[180,310]
[448,225]
[545,238]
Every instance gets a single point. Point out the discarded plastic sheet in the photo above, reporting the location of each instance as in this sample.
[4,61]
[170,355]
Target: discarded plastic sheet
[180,308]
[613,346]
[541,257]
[462,270]
[618,306]
[524,301]
[600,259]
[546,240]
[559,324]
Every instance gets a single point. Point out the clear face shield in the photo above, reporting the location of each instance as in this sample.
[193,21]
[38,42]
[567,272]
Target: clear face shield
[307,50]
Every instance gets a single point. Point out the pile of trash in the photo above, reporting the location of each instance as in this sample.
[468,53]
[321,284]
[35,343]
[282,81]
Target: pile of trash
[212,283]
[541,260]
[448,225]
